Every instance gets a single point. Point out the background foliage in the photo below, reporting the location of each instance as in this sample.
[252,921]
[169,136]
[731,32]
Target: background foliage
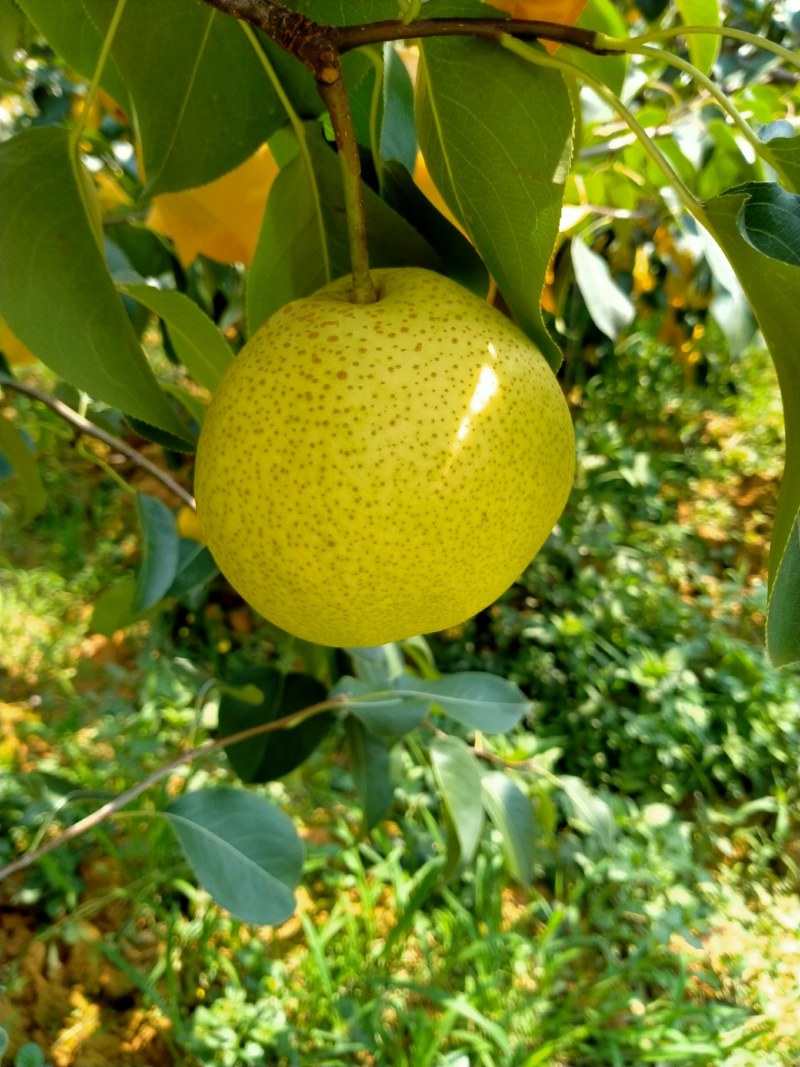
[583,854]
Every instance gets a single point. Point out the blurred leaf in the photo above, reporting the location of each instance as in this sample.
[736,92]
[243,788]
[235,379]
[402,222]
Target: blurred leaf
[769,285]
[473,99]
[591,811]
[769,220]
[272,755]
[703,47]
[377,665]
[459,779]
[243,850]
[56,293]
[195,567]
[785,149]
[611,70]
[512,813]
[476,699]
[15,448]
[11,24]
[159,551]
[304,242]
[369,765]
[113,609]
[609,307]
[78,40]
[202,99]
[198,341]
[387,713]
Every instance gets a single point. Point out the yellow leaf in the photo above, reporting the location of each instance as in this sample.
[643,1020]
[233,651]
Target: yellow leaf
[109,192]
[12,348]
[222,219]
[564,12]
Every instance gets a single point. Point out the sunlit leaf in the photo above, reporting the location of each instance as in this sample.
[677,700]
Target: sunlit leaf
[476,699]
[243,849]
[770,286]
[197,339]
[611,310]
[505,190]
[590,811]
[459,779]
[703,47]
[511,812]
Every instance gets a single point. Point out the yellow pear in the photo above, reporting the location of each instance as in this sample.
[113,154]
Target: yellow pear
[370,472]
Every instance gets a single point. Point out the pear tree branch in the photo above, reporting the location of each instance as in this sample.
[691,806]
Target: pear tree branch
[85,428]
[113,806]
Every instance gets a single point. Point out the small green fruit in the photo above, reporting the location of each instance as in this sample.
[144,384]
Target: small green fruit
[371,471]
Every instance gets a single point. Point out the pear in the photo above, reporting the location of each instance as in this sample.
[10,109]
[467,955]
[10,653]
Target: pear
[367,472]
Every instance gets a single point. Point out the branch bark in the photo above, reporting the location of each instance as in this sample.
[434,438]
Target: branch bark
[318,47]
[83,427]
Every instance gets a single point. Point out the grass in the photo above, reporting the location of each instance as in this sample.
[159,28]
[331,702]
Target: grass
[660,926]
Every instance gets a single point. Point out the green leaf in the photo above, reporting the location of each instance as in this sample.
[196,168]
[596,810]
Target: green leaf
[113,610]
[473,101]
[244,850]
[511,812]
[459,259]
[159,551]
[14,447]
[703,47]
[55,291]
[477,700]
[11,26]
[459,780]
[346,12]
[202,99]
[770,285]
[76,37]
[198,341]
[785,151]
[611,70]
[369,758]
[611,310]
[384,712]
[272,755]
[769,220]
[303,242]
[195,567]
[377,665]
[398,132]
[589,811]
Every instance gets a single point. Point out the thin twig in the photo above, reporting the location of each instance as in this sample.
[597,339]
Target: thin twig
[83,426]
[113,806]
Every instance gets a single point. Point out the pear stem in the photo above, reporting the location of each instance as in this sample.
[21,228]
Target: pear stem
[336,100]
